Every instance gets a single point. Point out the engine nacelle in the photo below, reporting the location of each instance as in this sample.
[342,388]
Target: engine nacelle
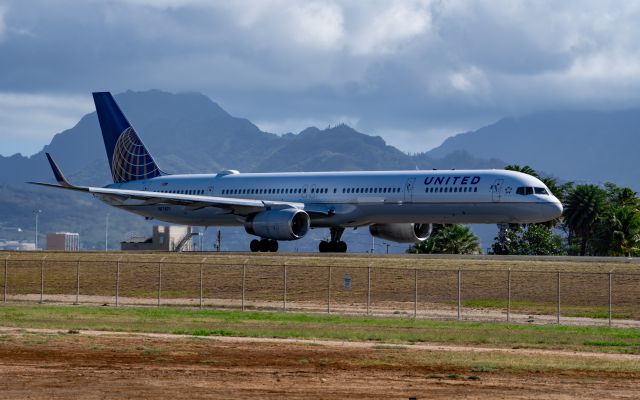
[286,224]
[401,233]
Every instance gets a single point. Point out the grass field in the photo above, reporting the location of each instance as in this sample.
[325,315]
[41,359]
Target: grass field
[288,325]
[67,351]
[392,281]
[439,262]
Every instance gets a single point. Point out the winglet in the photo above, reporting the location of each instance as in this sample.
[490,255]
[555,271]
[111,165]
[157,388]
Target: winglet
[63,183]
[56,171]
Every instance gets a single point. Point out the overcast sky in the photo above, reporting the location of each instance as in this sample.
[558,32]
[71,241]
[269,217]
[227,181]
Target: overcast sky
[412,72]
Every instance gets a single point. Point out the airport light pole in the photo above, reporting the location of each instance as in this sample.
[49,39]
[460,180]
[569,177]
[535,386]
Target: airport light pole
[37,213]
[106,234]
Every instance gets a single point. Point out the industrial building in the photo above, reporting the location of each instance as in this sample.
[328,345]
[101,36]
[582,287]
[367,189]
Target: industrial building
[15,245]
[64,241]
[165,238]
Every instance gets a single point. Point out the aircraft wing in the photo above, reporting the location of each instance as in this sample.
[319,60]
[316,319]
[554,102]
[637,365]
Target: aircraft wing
[195,202]
[123,197]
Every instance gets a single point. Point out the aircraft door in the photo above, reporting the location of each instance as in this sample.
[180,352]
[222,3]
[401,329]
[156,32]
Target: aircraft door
[305,192]
[408,189]
[496,189]
[313,192]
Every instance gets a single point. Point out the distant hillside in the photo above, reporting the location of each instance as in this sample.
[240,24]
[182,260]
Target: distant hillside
[583,146]
[186,133]
[189,133]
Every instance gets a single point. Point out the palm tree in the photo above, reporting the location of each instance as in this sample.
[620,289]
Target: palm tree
[625,223]
[584,206]
[449,239]
[458,239]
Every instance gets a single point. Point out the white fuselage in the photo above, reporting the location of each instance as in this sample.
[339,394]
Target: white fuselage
[349,199]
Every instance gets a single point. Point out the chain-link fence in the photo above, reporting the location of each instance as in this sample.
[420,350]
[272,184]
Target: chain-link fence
[589,298]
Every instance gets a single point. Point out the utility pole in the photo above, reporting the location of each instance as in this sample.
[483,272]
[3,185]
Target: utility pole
[106,234]
[37,213]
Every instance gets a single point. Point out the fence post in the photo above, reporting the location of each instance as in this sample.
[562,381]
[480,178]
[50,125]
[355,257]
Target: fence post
[509,295]
[558,286]
[284,287]
[415,294]
[77,282]
[6,269]
[118,281]
[329,291]
[459,296]
[42,280]
[244,275]
[369,289]
[610,297]
[201,281]
[160,279]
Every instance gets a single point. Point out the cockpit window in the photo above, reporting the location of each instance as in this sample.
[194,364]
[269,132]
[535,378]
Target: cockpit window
[527,190]
[540,190]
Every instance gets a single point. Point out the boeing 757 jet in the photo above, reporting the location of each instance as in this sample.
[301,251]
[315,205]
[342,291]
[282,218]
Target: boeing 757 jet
[399,206]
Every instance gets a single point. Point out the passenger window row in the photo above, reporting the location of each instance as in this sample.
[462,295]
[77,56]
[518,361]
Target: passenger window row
[271,191]
[454,189]
[312,190]
[370,190]
[184,191]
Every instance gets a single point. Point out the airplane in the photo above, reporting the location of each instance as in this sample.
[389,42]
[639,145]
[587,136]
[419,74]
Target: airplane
[399,206]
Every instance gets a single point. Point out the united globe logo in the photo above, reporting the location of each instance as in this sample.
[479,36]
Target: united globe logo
[131,161]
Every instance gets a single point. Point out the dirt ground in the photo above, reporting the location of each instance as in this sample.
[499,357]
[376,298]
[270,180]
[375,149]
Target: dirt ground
[109,366]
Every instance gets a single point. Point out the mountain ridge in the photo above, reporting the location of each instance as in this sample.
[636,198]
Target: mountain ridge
[189,133]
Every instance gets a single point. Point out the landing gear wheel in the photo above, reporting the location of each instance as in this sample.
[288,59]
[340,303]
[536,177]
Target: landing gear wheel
[332,247]
[255,245]
[264,245]
[273,246]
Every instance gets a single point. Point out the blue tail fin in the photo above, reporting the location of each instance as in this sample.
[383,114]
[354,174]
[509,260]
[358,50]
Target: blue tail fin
[128,158]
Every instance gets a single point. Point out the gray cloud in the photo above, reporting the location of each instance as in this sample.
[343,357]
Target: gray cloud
[410,71]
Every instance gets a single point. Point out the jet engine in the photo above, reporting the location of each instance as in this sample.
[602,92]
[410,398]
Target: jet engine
[401,233]
[286,224]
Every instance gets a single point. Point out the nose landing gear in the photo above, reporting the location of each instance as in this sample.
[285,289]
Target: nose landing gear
[264,245]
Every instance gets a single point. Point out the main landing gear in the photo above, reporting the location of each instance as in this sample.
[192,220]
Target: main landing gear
[264,245]
[335,245]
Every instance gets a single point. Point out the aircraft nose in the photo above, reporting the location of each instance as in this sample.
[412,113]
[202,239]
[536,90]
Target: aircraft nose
[552,209]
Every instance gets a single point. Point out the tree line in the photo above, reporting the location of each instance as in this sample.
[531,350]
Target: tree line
[596,221]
